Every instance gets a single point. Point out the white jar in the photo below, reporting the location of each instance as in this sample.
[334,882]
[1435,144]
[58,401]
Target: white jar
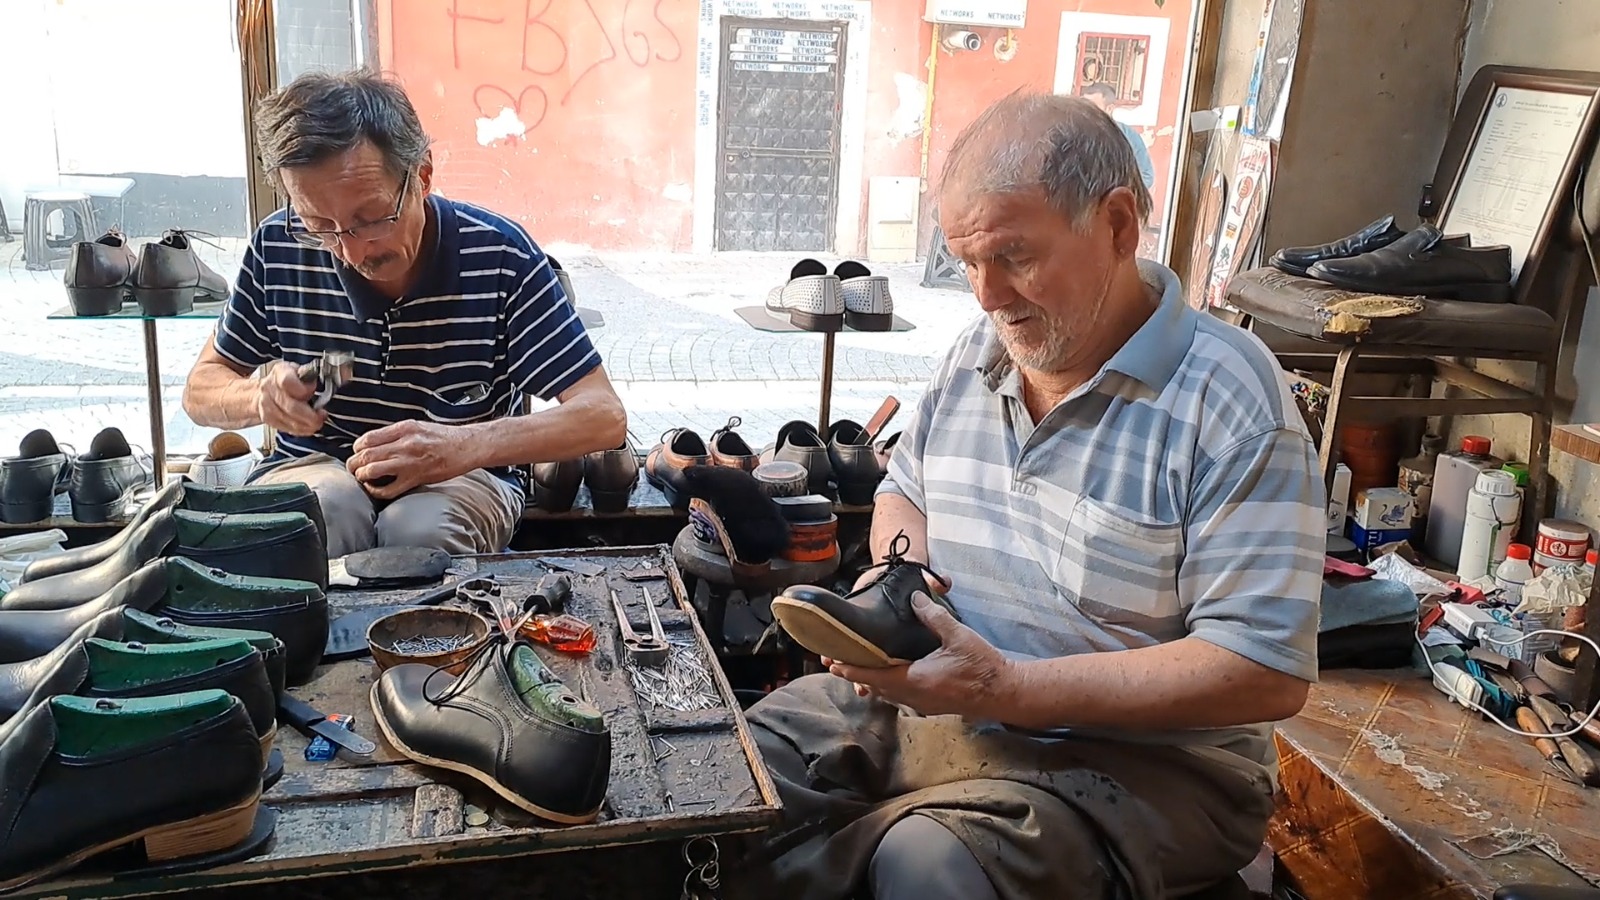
[1493,508]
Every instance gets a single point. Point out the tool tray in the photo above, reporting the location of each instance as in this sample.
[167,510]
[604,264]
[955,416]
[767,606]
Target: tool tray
[674,775]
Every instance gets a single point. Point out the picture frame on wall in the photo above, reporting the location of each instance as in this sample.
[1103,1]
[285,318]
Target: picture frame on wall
[1533,134]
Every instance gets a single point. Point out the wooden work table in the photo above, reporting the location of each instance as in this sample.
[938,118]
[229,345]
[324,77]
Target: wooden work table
[1382,780]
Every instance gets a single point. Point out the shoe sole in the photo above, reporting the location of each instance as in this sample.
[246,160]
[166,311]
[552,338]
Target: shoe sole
[210,833]
[490,783]
[824,635]
[869,321]
[1474,292]
[266,746]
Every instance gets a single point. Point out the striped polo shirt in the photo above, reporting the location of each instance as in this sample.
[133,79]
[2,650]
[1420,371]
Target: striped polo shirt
[486,323]
[1175,493]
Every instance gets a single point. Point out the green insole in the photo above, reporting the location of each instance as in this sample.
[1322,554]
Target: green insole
[115,667]
[219,531]
[148,629]
[191,586]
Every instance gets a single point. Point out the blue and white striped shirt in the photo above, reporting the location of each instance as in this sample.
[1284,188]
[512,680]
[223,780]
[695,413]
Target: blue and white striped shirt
[1173,494]
[487,323]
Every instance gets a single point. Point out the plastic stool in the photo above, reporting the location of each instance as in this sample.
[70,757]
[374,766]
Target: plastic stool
[39,248]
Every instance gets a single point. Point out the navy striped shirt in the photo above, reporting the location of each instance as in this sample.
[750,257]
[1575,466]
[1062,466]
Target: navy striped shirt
[486,323]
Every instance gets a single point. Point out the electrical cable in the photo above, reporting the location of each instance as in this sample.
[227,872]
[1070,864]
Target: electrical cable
[1473,704]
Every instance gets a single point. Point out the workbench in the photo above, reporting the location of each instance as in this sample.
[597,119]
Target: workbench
[675,776]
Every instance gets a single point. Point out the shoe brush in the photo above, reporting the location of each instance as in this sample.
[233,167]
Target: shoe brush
[755,523]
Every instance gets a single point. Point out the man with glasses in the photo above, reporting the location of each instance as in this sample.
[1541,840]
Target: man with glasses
[452,315]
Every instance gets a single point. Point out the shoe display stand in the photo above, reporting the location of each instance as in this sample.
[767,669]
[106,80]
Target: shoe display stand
[762,319]
[152,368]
[675,775]
[647,502]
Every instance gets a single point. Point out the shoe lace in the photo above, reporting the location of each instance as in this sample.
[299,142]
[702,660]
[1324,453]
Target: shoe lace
[192,236]
[733,423]
[471,662]
[896,557]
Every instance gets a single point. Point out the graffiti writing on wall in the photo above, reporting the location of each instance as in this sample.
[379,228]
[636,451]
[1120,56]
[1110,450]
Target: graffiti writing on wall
[551,38]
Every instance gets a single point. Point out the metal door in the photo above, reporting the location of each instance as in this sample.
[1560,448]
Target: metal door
[778,115]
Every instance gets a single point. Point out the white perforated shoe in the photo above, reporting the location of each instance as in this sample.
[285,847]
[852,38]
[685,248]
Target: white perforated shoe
[227,463]
[811,298]
[867,304]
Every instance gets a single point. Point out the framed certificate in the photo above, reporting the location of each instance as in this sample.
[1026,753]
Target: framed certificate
[1517,175]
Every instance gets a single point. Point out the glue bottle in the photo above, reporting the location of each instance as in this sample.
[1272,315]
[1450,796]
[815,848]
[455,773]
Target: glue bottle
[1512,574]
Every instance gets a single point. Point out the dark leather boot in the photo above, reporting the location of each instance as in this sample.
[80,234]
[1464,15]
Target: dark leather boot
[106,477]
[729,448]
[296,612]
[855,463]
[874,626]
[611,476]
[1428,263]
[266,545]
[97,274]
[1296,260]
[30,480]
[507,722]
[150,540]
[555,484]
[179,776]
[679,449]
[83,557]
[799,442]
[170,278]
[31,633]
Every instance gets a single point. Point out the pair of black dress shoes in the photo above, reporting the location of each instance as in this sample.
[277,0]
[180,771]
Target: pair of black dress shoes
[609,474]
[99,482]
[166,277]
[1383,259]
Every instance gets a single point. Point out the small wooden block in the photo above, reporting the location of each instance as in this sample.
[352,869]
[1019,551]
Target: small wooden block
[436,812]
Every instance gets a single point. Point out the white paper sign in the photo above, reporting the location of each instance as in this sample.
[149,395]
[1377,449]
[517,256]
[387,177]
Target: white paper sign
[1513,167]
[996,13]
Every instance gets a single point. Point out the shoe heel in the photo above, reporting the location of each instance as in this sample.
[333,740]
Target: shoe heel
[816,321]
[96,513]
[266,746]
[545,499]
[869,321]
[164,301]
[857,493]
[610,502]
[27,513]
[199,836]
[95,301]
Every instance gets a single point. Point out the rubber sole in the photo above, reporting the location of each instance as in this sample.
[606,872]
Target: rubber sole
[164,301]
[94,513]
[816,321]
[1474,292]
[26,513]
[519,802]
[96,301]
[869,321]
[824,635]
[610,502]
[205,834]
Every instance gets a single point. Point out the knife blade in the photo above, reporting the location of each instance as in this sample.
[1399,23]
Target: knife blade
[305,719]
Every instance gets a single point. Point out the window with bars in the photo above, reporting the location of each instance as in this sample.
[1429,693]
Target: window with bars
[1118,60]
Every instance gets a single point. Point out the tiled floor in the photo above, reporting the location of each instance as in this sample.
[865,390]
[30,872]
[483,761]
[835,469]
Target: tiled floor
[1379,748]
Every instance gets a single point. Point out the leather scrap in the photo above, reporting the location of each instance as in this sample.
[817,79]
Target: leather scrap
[397,566]
[1354,314]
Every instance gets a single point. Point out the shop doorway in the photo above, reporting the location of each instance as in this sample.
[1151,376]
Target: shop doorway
[779,107]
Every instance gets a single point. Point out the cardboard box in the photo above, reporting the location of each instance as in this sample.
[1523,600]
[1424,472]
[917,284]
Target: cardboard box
[1368,540]
[1339,499]
[1382,509]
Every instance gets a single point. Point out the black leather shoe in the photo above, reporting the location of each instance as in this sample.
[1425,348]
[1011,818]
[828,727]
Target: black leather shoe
[295,612]
[509,723]
[169,278]
[150,628]
[799,442]
[1296,260]
[555,484]
[265,545]
[106,477]
[181,494]
[855,463]
[874,626]
[97,274]
[679,449]
[30,480]
[50,673]
[31,633]
[611,476]
[179,776]
[141,544]
[1425,262]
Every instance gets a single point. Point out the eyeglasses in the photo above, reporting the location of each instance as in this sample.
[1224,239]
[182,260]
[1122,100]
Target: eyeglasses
[370,231]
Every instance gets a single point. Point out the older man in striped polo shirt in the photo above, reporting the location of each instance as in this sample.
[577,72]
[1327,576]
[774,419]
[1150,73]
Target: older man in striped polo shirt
[1122,499]
[451,312]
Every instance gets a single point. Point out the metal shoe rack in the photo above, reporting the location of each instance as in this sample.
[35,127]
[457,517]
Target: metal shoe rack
[761,319]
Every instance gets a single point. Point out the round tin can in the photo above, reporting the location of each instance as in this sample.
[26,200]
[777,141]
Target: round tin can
[1561,542]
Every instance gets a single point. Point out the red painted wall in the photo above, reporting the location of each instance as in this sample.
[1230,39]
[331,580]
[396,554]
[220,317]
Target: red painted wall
[606,90]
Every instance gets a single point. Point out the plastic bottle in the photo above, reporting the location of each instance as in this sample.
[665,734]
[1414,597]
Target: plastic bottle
[1493,507]
[1453,478]
[1589,560]
[1416,479]
[1512,574]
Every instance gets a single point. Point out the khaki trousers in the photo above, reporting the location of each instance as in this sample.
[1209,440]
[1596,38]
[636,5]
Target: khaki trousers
[472,513]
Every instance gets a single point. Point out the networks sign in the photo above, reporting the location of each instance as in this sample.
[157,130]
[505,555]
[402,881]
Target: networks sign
[998,13]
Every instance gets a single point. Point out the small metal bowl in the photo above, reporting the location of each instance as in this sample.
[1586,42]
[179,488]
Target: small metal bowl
[429,621]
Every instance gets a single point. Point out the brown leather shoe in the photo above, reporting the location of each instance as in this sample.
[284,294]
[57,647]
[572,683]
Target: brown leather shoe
[679,449]
[555,484]
[611,476]
[97,274]
[728,448]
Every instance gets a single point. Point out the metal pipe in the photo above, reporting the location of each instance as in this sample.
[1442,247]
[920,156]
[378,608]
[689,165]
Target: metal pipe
[927,106]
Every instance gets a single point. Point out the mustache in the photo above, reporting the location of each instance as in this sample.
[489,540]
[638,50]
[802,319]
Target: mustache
[1012,314]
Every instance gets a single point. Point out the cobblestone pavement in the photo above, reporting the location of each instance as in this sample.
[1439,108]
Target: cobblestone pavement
[672,343]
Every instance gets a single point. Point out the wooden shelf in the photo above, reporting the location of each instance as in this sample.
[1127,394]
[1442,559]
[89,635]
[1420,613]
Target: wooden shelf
[1576,440]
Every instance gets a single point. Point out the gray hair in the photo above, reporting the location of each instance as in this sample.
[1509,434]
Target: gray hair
[1064,146]
[322,114]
